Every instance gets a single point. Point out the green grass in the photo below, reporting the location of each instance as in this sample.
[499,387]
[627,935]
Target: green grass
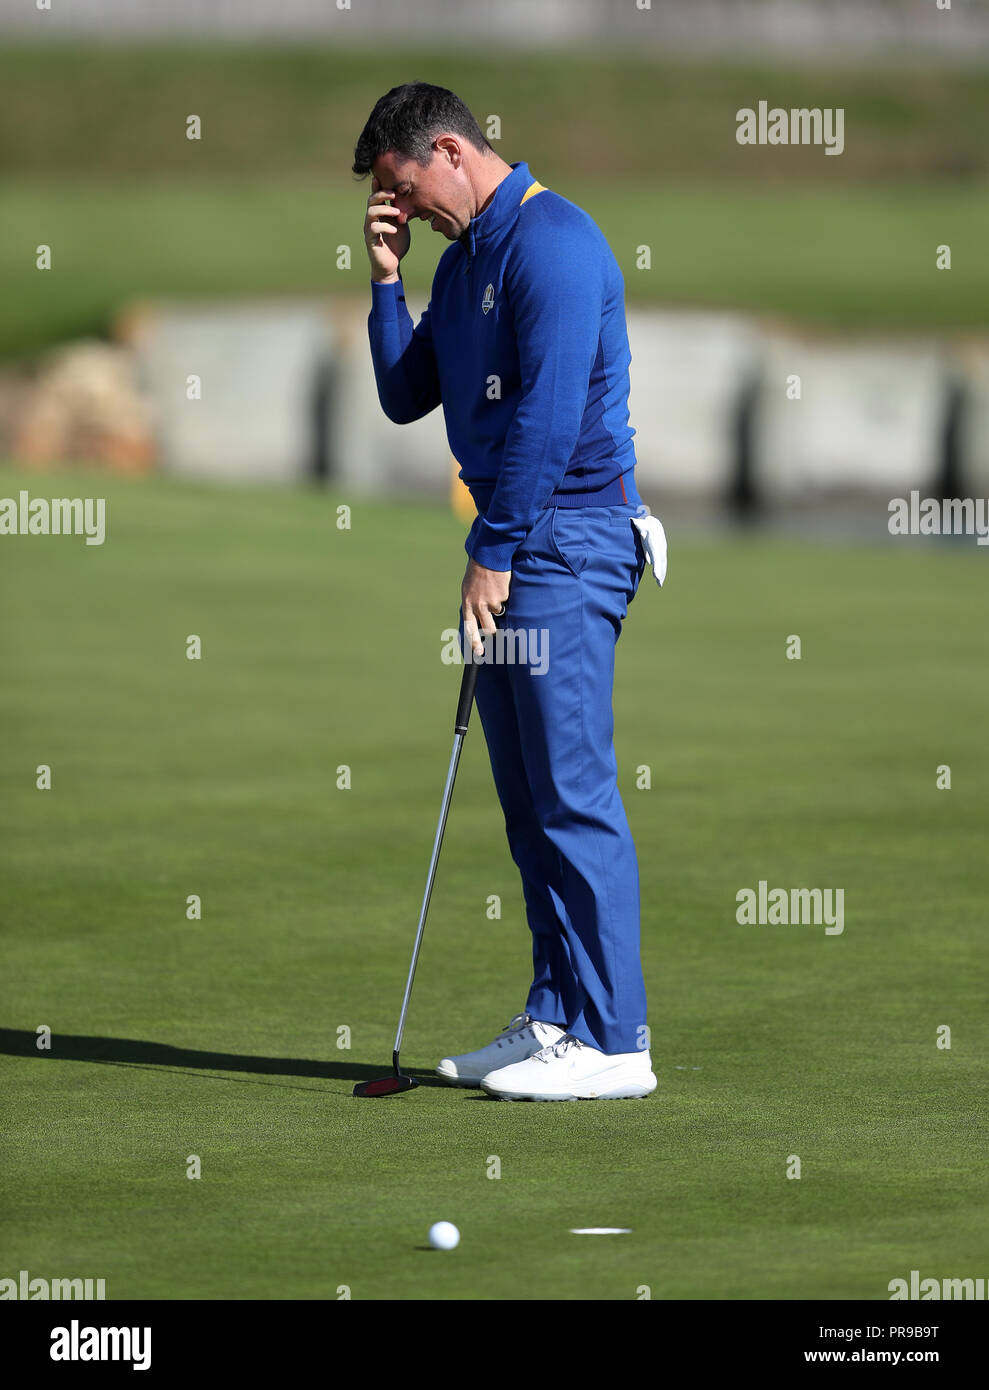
[94,163]
[121,109]
[864,260]
[218,1038]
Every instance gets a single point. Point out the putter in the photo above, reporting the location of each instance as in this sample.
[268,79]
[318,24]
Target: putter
[396,1083]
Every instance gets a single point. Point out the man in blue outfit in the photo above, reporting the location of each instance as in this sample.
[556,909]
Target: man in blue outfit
[524,344]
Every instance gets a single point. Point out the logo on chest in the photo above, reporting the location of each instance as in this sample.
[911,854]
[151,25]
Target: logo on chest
[487,303]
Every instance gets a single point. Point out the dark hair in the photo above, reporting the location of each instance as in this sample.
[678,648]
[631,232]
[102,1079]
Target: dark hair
[407,118]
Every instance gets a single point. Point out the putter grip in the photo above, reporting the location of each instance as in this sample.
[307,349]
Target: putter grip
[467,685]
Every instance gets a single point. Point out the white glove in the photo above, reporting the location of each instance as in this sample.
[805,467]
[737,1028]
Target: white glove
[653,539]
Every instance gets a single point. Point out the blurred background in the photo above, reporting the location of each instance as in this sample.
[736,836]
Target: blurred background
[237,257]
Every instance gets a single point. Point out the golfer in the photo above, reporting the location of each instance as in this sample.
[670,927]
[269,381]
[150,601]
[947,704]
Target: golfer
[524,344]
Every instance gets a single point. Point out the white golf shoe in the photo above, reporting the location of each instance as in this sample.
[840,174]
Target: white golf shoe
[572,1070]
[523,1037]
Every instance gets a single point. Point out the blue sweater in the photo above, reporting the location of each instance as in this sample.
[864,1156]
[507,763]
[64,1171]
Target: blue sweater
[524,344]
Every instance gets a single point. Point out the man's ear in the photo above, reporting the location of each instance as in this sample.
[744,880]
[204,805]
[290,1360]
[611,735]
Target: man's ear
[448,147]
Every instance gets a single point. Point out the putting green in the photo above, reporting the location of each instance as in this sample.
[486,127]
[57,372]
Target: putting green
[221,1038]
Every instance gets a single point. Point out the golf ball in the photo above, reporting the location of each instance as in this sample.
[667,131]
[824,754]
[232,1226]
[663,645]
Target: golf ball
[443,1235]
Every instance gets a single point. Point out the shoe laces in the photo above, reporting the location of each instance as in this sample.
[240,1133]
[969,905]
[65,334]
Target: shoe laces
[558,1048]
[517,1025]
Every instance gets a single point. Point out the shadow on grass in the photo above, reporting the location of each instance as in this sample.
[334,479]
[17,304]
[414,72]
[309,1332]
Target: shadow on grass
[69,1047]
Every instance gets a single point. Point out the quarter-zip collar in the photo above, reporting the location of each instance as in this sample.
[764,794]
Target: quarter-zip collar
[488,225]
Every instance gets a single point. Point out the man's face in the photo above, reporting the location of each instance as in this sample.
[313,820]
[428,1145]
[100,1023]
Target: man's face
[439,194]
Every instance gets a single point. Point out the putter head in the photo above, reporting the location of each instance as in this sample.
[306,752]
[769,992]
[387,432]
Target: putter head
[385,1086]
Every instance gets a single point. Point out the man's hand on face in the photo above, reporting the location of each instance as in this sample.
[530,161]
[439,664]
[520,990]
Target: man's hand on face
[386,236]
[483,593]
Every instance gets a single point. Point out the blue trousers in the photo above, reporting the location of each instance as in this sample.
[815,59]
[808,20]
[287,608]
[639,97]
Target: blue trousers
[549,728]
